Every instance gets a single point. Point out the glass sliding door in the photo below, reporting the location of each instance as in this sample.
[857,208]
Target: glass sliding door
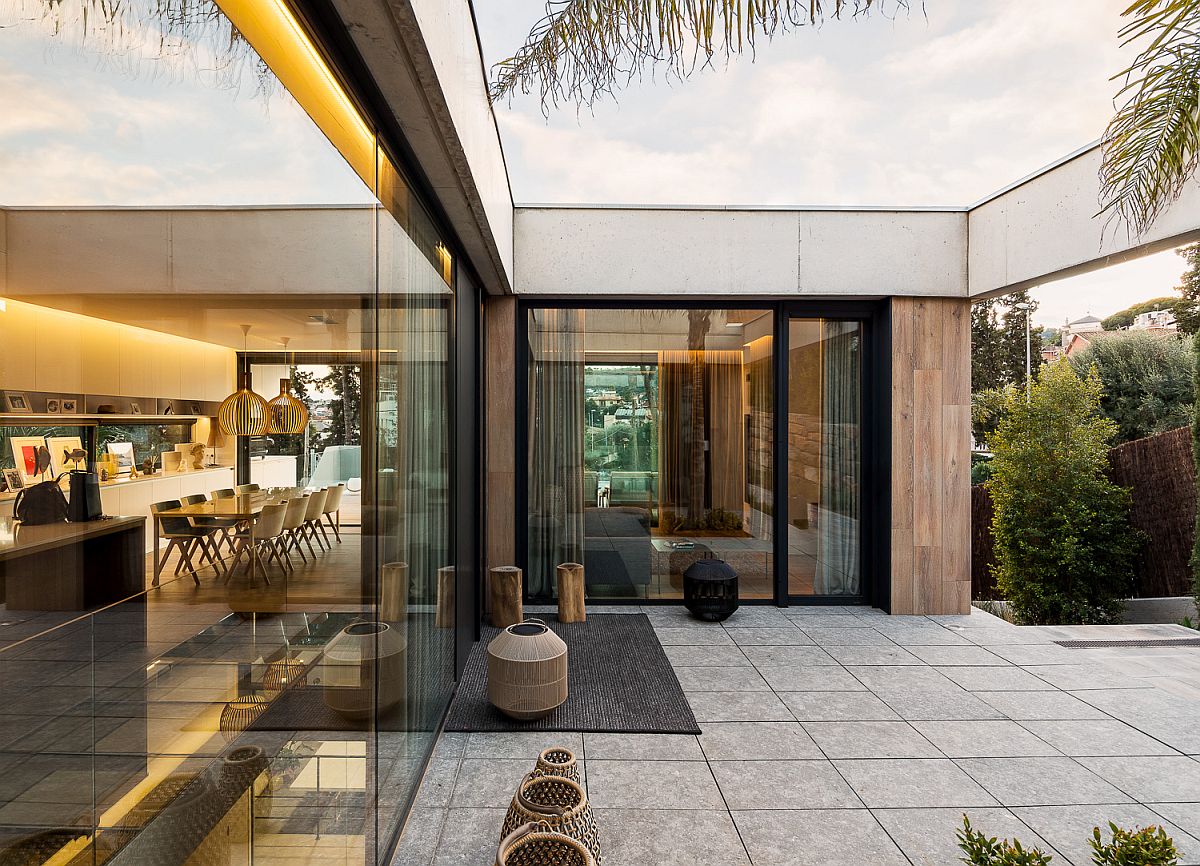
[824,458]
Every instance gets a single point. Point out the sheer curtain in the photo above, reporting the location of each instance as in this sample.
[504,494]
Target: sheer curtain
[838,568]
[556,424]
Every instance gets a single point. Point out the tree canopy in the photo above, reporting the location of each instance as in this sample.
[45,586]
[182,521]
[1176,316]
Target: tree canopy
[1124,318]
[998,342]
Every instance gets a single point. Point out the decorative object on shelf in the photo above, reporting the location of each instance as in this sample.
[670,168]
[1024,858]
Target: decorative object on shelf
[172,461]
[363,669]
[534,845]
[123,451]
[285,412]
[557,761]
[135,408]
[282,673]
[70,406]
[53,405]
[13,480]
[194,409]
[243,413]
[241,713]
[66,453]
[106,409]
[710,590]
[504,596]
[527,670]
[558,804]
[106,466]
[84,504]
[169,409]
[147,466]
[571,606]
[215,440]
[25,454]
[16,402]
[196,449]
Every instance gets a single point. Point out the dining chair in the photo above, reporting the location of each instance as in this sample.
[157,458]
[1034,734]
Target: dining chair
[312,519]
[187,539]
[224,493]
[332,508]
[293,520]
[243,489]
[222,526]
[264,535]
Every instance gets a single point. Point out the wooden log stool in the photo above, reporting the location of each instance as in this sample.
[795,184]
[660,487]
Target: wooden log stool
[444,618]
[504,596]
[570,593]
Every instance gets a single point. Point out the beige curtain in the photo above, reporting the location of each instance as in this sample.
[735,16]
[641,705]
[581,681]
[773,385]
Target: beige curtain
[726,437]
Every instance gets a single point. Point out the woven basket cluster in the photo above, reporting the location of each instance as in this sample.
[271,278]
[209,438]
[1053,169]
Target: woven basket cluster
[557,804]
[535,845]
[557,761]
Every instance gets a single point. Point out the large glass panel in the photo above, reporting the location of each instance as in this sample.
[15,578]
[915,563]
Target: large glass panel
[824,455]
[650,447]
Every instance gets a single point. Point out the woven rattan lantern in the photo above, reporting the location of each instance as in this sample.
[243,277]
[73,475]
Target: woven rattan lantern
[285,413]
[527,670]
[241,713]
[283,673]
[243,413]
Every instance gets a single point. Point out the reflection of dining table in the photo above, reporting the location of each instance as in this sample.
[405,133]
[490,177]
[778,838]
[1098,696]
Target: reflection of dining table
[244,509]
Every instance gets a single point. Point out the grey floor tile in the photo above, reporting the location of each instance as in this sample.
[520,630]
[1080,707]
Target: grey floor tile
[910,783]
[821,837]
[712,635]
[1038,654]
[870,740]
[782,785]
[1151,779]
[642,747]
[778,636]
[1041,781]
[757,741]
[1068,828]
[959,706]
[757,616]
[1080,677]
[956,655]
[837,707]
[873,655]
[1186,816]
[809,619]
[438,784]
[776,656]
[470,837]
[811,678]
[929,836]
[996,679]
[1097,738]
[450,745]
[519,744]
[743,679]
[898,678]
[665,785]
[929,636]
[738,707]
[419,840]
[488,783]
[984,739]
[846,636]
[1040,705]
[1009,636]
[669,837]
[706,656]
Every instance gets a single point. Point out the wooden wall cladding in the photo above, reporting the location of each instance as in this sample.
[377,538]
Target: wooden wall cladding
[931,455]
[499,430]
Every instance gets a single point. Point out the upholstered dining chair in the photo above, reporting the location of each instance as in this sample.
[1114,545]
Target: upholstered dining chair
[187,539]
[312,519]
[263,536]
[332,510]
[243,489]
[293,520]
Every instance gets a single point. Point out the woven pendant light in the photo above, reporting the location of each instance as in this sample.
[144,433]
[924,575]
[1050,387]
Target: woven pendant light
[243,413]
[285,413]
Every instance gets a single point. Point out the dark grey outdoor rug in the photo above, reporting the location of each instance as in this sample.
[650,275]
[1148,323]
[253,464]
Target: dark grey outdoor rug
[619,681]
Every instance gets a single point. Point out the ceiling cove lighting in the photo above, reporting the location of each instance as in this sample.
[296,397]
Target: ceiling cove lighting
[286,413]
[243,413]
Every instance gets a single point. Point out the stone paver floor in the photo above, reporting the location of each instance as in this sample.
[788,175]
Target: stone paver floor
[845,736]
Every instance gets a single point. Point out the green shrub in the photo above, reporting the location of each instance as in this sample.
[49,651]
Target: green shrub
[982,851]
[987,410]
[1146,846]
[981,468]
[1064,545]
[722,520]
[1196,458]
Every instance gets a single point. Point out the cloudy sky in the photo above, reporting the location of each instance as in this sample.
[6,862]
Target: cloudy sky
[934,108]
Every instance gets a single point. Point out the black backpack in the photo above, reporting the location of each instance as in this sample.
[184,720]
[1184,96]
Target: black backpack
[41,503]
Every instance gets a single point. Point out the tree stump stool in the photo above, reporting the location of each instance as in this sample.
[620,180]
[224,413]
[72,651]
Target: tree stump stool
[444,618]
[504,596]
[570,593]
[393,594]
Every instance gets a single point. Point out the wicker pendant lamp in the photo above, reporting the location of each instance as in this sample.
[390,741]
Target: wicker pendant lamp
[243,413]
[285,413]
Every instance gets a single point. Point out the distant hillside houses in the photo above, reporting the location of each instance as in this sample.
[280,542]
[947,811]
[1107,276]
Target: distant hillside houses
[1076,336]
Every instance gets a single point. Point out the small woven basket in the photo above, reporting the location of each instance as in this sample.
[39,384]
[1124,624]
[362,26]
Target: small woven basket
[557,803]
[536,845]
[557,761]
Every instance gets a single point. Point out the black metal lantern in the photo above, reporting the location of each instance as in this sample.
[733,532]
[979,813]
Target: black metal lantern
[710,590]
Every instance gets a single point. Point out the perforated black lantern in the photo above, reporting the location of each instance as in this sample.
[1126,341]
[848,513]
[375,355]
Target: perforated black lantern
[710,589]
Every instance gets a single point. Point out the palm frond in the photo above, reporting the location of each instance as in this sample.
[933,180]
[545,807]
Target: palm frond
[1151,147]
[583,49]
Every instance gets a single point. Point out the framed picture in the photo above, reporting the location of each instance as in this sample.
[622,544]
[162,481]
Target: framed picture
[169,409]
[16,402]
[194,408]
[70,406]
[53,406]
[135,408]
[13,480]
[66,453]
[25,455]
[123,451]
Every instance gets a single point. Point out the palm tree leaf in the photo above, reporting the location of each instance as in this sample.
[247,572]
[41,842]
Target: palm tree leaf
[581,50]
[1151,147]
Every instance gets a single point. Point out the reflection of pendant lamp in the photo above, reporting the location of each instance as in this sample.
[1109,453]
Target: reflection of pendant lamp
[283,673]
[243,413]
[285,412]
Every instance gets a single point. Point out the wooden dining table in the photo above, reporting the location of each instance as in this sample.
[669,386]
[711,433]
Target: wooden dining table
[245,509]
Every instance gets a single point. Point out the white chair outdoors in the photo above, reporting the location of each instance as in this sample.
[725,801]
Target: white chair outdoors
[293,519]
[332,508]
[312,519]
[264,534]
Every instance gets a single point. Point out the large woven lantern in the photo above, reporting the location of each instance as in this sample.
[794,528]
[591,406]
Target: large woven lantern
[287,414]
[243,413]
[527,670]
